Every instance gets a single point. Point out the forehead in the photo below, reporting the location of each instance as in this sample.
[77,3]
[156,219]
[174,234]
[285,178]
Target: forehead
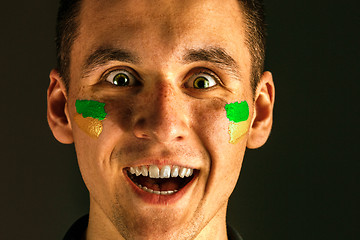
[160,29]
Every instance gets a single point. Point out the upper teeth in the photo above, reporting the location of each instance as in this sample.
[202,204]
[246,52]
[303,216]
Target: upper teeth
[165,172]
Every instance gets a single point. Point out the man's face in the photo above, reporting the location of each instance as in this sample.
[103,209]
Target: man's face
[167,115]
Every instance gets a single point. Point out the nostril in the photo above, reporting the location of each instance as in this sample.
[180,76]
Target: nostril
[143,135]
[165,134]
[161,122]
[140,129]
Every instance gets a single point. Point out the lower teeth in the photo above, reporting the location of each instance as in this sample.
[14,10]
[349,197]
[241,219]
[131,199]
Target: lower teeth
[156,192]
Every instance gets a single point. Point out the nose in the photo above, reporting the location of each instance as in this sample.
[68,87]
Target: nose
[161,115]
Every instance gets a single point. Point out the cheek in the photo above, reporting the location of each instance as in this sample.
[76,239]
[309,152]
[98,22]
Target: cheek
[120,115]
[89,116]
[92,127]
[221,121]
[210,122]
[239,121]
[216,132]
[238,130]
[92,117]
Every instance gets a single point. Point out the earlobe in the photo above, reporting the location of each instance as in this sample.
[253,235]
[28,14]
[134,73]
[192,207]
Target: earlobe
[263,112]
[57,111]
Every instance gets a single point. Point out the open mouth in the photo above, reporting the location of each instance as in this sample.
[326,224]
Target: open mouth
[167,181]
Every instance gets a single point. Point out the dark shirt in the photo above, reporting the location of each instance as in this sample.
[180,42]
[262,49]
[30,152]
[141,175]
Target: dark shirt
[78,228]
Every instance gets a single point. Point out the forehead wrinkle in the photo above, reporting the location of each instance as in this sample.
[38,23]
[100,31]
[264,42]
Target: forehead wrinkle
[169,34]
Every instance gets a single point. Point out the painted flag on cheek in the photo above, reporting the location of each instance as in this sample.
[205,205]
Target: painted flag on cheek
[89,116]
[238,115]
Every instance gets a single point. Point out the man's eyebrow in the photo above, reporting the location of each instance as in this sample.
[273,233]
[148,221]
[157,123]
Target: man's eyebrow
[101,56]
[216,55]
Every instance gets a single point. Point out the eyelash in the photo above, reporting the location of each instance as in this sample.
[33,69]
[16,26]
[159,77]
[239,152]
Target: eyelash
[210,73]
[136,77]
[105,75]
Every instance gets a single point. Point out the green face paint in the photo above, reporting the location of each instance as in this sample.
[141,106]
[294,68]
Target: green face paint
[238,115]
[90,108]
[89,116]
[237,112]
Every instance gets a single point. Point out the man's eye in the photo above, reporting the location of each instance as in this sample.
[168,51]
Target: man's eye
[121,78]
[202,80]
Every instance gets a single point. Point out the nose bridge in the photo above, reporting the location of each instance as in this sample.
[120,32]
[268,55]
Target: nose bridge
[164,95]
[162,116]
[164,104]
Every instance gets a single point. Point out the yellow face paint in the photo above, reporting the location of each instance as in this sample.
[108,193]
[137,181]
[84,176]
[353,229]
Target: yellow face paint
[237,130]
[93,127]
[238,114]
[89,116]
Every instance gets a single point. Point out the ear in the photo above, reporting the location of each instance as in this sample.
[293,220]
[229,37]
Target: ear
[57,110]
[263,112]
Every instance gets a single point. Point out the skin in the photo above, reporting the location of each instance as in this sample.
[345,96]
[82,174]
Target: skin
[162,118]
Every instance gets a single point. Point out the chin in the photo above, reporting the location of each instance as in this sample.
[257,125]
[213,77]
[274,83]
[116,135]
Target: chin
[158,228]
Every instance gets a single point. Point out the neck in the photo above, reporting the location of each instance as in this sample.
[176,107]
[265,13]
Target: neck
[216,228]
[100,226]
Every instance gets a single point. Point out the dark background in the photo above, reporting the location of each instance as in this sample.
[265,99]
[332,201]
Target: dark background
[303,184]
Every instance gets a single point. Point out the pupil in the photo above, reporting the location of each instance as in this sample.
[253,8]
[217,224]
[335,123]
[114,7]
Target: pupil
[201,83]
[121,80]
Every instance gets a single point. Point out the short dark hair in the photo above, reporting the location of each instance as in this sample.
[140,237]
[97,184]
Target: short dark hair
[67,30]
[255,35]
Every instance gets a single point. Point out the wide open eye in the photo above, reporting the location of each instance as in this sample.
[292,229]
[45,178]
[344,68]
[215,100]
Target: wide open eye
[121,78]
[202,81]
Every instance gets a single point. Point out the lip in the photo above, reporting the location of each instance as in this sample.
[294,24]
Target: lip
[156,199]
[160,163]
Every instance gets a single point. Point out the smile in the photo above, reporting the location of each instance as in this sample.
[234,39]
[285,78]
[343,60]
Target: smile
[163,185]
[168,180]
